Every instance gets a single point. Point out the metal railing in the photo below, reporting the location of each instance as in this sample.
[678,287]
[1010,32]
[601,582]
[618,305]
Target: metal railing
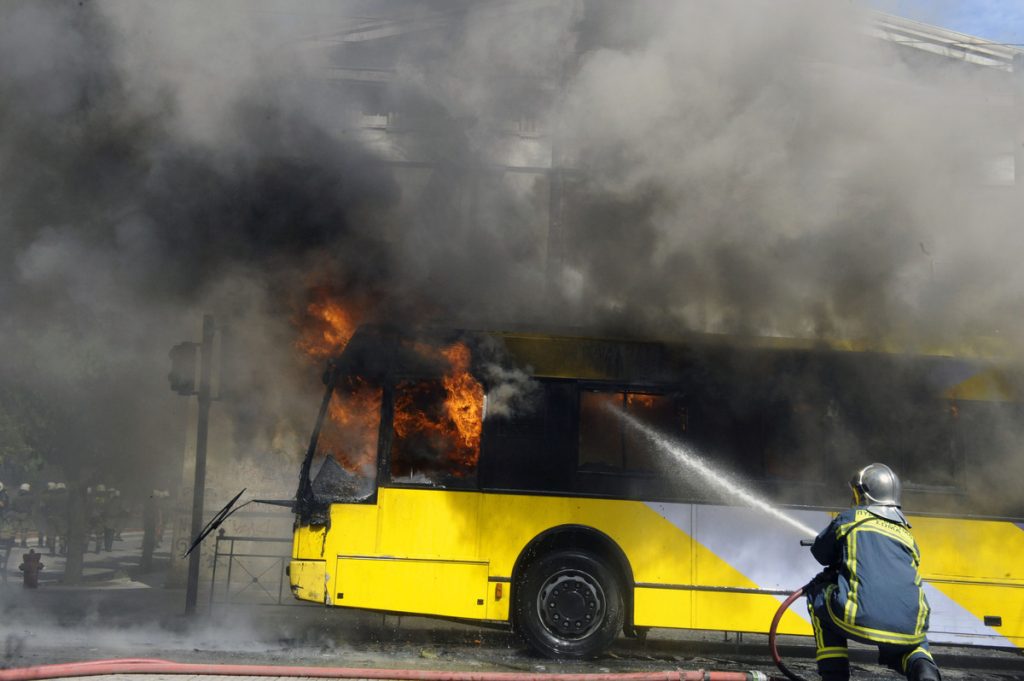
[263,573]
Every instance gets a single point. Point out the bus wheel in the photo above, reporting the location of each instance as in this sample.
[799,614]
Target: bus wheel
[569,604]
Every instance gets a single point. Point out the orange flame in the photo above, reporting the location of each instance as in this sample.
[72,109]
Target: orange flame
[451,426]
[350,433]
[445,420]
[327,325]
[639,400]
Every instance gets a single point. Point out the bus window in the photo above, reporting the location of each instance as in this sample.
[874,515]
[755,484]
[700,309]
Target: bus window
[795,443]
[607,442]
[534,449]
[929,444]
[347,445]
[601,433]
[992,434]
[436,437]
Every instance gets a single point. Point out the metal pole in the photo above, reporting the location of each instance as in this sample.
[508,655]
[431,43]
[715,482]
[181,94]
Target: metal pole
[213,577]
[1018,133]
[199,488]
[231,563]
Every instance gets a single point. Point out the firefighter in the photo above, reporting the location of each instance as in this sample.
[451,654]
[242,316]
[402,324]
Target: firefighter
[56,511]
[114,521]
[871,589]
[5,502]
[21,513]
[96,502]
[161,501]
[39,513]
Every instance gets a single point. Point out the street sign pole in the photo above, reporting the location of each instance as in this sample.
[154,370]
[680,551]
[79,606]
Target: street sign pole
[199,488]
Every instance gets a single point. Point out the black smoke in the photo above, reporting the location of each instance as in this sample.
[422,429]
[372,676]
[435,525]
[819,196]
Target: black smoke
[763,168]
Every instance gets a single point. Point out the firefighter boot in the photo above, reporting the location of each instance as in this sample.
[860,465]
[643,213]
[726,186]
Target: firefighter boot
[834,669]
[923,669]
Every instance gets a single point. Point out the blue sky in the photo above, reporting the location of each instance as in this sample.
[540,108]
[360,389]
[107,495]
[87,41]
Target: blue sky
[997,20]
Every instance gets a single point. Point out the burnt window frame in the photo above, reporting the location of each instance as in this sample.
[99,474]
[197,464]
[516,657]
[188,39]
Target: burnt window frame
[387,438]
[309,509]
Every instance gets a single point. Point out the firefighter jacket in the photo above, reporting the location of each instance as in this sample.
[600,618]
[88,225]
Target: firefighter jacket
[22,503]
[877,593]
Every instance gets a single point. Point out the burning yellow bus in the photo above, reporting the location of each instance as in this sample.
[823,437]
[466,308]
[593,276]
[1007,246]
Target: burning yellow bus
[503,477]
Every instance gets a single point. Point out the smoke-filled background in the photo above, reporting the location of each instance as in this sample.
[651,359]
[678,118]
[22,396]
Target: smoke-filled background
[745,167]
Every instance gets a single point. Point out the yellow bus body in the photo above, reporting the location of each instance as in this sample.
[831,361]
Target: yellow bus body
[452,554]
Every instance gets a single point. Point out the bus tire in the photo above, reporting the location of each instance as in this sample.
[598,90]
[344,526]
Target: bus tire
[569,604]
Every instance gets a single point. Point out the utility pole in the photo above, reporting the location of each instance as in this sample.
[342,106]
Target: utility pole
[182,379]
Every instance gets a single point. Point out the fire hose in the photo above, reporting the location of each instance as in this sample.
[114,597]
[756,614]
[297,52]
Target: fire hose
[147,666]
[772,635]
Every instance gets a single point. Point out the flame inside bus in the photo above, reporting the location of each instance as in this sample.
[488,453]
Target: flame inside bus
[437,420]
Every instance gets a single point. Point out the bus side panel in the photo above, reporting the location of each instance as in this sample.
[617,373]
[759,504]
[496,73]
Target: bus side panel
[995,549]
[315,549]
[744,548]
[429,587]
[417,553]
[656,550]
[954,618]
[308,542]
[428,523]
[974,569]
[308,580]
[747,612]
[662,607]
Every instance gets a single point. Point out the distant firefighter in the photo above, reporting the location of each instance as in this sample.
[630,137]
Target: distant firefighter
[5,503]
[21,513]
[161,498]
[55,509]
[96,514]
[39,512]
[115,519]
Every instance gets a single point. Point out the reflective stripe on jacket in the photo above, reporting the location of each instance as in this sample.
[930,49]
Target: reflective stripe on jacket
[878,594]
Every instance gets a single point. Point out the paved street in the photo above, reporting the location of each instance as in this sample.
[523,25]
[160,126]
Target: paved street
[104,566]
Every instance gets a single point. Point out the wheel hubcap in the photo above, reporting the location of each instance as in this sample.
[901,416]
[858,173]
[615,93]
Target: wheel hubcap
[571,604]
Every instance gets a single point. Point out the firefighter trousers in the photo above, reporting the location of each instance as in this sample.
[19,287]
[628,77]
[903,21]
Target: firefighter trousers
[832,654]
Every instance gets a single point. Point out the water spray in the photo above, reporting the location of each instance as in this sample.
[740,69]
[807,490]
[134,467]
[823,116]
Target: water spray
[714,478]
[732,488]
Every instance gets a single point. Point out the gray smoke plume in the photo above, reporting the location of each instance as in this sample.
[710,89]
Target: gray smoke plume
[756,167]
[778,172]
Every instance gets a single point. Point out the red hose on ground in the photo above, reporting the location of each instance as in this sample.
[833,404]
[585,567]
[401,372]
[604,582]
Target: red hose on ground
[144,666]
[771,635]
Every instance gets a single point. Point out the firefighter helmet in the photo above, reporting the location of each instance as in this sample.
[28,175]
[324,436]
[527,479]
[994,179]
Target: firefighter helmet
[25,487]
[876,484]
[878,488]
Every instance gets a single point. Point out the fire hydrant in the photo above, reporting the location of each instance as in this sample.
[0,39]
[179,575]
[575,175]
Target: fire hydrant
[31,566]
